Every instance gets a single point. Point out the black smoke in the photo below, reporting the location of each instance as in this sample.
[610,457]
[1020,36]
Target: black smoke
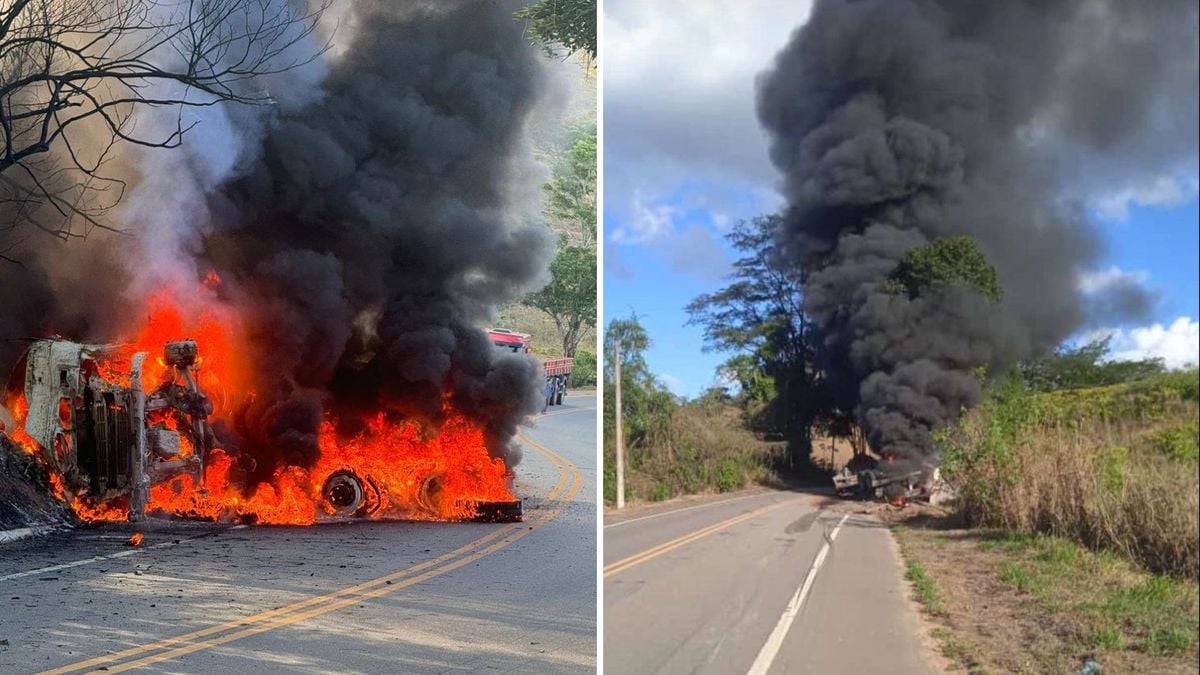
[373,221]
[895,122]
[374,234]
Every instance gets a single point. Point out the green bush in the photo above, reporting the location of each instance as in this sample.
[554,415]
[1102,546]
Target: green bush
[661,492]
[1112,467]
[583,374]
[610,478]
[729,475]
[1180,443]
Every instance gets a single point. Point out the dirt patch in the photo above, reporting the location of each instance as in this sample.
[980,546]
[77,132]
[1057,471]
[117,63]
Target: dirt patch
[987,618]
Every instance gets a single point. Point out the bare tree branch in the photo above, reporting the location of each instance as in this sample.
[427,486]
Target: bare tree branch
[73,66]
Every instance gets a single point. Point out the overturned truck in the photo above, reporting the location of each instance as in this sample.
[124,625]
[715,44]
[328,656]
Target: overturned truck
[109,440]
[867,478]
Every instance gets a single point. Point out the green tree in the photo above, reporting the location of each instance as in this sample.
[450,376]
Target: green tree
[571,194]
[1084,366]
[760,319]
[945,261]
[570,297]
[568,23]
[646,406]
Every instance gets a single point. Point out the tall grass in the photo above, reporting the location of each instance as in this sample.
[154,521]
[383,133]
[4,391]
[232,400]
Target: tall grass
[1110,467]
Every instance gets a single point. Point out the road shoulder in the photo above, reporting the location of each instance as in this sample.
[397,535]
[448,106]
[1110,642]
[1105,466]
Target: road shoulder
[1007,603]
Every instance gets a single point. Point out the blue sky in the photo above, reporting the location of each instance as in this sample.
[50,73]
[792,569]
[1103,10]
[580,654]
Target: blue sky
[684,158]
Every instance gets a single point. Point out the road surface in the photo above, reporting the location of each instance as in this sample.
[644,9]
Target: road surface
[360,597]
[727,585]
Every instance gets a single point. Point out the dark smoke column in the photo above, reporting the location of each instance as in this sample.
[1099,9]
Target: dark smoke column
[896,122]
[381,225]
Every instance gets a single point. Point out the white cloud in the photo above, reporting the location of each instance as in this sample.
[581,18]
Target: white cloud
[1177,344]
[1096,282]
[646,223]
[1163,191]
[679,104]
[672,383]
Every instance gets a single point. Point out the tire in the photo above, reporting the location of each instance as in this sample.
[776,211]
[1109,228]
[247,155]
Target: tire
[558,397]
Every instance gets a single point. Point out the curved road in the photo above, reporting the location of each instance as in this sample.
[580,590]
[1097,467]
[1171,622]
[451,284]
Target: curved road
[360,597]
[757,582]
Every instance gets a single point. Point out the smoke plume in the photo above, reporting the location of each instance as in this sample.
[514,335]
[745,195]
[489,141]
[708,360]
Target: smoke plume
[896,122]
[364,228]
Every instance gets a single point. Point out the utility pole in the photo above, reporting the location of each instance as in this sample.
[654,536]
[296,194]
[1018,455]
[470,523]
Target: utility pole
[620,427]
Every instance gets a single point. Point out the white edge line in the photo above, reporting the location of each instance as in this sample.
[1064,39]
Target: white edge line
[766,655]
[687,508]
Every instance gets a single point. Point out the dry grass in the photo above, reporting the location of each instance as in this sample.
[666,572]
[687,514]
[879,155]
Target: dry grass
[1114,482]
[706,449]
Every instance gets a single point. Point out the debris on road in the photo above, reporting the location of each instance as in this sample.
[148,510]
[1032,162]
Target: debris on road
[27,506]
[135,539]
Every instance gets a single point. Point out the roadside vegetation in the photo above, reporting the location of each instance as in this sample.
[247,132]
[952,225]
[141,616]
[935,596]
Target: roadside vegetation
[1111,467]
[675,446]
[561,316]
[1075,538]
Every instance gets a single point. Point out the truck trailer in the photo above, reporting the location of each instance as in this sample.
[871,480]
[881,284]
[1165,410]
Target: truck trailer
[556,370]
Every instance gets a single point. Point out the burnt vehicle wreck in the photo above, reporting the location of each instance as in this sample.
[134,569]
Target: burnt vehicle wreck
[864,477]
[109,442]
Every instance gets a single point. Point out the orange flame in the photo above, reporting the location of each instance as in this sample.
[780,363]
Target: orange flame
[412,471]
[136,539]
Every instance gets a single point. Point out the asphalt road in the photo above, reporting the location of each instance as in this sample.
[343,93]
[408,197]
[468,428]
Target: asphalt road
[359,597]
[726,585]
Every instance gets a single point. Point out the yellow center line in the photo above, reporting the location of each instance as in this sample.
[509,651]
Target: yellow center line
[651,553]
[345,602]
[569,478]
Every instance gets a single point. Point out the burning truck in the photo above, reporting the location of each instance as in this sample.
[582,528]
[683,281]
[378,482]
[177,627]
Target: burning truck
[118,449]
[865,477]
[344,370]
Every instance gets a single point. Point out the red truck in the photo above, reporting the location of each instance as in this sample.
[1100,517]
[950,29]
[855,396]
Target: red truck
[557,370]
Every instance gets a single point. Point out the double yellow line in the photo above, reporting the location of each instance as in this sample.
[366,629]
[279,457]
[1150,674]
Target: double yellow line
[570,480]
[649,554]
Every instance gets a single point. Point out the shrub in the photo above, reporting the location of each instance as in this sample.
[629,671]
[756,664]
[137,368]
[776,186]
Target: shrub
[661,492]
[583,373]
[1181,443]
[729,475]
